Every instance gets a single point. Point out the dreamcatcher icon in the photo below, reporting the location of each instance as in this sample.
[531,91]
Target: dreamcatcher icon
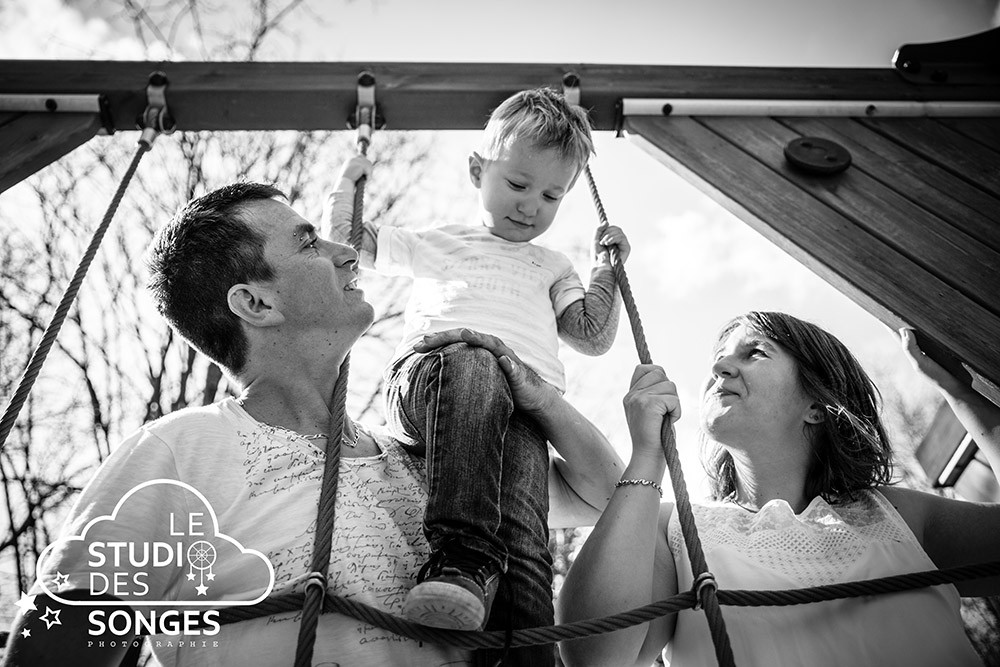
[201,556]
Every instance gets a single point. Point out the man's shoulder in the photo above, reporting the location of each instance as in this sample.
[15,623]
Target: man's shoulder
[193,419]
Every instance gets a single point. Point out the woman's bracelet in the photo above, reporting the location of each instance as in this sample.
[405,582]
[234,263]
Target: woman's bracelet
[641,482]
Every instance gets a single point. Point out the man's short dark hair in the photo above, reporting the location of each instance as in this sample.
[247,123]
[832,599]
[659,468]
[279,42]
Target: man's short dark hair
[193,261]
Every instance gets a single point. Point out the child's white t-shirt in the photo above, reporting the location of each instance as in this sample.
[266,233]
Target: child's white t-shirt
[463,276]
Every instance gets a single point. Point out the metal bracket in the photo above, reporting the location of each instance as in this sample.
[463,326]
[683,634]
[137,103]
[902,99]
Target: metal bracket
[972,60]
[367,114]
[571,88]
[156,119]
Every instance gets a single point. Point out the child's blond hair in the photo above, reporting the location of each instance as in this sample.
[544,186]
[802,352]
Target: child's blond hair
[546,120]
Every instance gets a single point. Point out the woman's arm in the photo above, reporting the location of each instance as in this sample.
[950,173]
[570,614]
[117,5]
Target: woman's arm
[626,561]
[955,532]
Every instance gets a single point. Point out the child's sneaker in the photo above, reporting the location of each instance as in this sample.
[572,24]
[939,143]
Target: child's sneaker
[454,590]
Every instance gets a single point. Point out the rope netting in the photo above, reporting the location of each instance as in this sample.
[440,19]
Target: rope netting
[579,629]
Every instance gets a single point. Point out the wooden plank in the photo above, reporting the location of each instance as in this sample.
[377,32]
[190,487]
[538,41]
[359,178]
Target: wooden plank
[34,140]
[964,157]
[968,209]
[314,96]
[953,330]
[955,258]
[984,130]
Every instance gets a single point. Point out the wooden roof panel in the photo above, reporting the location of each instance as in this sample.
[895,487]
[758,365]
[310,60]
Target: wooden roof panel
[31,141]
[899,222]
[965,207]
[940,145]
[792,212]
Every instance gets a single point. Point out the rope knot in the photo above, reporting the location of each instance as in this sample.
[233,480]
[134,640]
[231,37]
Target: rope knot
[701,584]
[316,579]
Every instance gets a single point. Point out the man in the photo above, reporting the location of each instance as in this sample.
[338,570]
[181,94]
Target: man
[216,506]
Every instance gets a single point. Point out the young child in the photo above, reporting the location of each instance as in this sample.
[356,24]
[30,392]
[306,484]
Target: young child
[487,464]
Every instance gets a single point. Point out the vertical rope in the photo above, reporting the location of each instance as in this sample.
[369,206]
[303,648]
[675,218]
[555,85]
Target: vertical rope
[315,592]
[707,594]
[34,366]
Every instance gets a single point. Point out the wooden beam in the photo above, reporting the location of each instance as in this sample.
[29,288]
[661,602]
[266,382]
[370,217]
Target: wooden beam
[954,330]
[31,141]
[317,96]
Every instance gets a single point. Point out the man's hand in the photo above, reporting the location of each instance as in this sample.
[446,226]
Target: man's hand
[355,168]
[531,393]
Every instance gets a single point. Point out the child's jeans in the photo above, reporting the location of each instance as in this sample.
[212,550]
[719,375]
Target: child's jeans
[487,475]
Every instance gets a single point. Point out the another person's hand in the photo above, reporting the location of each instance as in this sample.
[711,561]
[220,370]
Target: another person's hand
[609,236]
[651,399]
[531,393]
[355,168]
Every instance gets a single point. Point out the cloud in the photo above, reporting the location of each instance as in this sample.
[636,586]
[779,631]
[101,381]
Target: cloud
[203,566]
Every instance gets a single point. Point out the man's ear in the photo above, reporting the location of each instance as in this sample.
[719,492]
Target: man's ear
[253,305]
[476,169]
[816,414]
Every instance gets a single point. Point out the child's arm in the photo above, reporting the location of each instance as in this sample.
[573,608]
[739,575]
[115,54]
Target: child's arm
[589,324]
[338,211]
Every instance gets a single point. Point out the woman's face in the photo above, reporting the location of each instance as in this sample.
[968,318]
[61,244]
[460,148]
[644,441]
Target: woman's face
[753,394]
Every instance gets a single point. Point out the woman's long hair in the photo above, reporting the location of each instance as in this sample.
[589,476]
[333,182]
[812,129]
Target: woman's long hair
[850,449]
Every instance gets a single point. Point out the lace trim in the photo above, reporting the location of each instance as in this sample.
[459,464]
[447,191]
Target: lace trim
[814,548]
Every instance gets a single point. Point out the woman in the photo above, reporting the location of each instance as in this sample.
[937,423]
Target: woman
[800,466]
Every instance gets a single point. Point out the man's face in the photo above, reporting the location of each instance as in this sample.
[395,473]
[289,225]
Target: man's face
[315,283]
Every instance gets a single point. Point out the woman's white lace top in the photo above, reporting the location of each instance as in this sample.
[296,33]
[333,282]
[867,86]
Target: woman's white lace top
[777,549]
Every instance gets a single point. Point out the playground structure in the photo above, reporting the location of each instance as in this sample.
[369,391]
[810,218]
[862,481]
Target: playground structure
[886,183]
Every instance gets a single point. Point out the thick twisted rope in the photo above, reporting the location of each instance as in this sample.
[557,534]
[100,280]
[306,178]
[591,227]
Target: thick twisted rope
[699,567]
[590,627]
[38,357]
[315,591]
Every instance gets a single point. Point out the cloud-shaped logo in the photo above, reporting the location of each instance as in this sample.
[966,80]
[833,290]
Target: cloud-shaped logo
[182,551]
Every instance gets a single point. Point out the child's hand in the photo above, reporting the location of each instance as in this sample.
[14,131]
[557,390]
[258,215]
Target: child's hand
[355,168]
[611,236]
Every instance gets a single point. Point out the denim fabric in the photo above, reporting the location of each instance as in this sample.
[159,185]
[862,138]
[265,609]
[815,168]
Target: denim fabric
[487,473]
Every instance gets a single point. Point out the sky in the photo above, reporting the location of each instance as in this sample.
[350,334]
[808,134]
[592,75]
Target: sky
[694,265]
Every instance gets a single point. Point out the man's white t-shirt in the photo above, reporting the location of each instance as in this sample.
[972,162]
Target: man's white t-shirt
[261,484]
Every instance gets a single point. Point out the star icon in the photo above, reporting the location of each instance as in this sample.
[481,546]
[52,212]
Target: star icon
[26,633]
[61,580]
[26,603]
[190,576]
[210,576]
[202,590]
[49,622]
